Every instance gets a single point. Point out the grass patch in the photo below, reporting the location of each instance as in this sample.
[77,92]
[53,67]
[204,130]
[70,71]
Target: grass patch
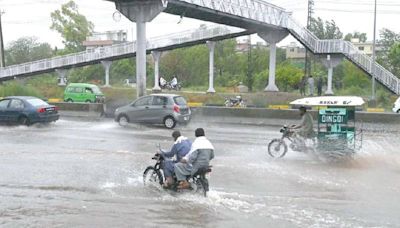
[17,89]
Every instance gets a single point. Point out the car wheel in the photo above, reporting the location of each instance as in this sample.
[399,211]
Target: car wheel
[23,120]
[123,120]
[398,111]
[169,122]
[88,101]
[70,100]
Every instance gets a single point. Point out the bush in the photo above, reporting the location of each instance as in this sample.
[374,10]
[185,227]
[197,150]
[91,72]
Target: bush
[16,89]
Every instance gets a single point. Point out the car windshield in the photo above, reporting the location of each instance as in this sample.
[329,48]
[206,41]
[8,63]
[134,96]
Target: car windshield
[95,90]
[180,100]
[36,102]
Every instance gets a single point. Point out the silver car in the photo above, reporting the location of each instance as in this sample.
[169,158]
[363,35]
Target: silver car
[167,109]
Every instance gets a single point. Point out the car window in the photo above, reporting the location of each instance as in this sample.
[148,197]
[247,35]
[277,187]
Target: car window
[4,103]
[78,90]
[36,102]
[143,101]
[17,104]
[70,90]
[88,90]
[180,100]
[157,100]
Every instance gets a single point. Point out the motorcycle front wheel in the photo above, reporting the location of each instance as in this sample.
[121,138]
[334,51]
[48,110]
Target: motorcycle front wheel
[152,176]
[277,148]
[202,186]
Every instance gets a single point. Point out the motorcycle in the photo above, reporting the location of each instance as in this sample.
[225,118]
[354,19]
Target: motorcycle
[153,175]
[169,86]
[278,148]
[235,102]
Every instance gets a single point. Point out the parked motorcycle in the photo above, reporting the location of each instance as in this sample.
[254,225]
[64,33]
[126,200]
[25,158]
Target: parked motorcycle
[153,175]
[277,148]
[235,102]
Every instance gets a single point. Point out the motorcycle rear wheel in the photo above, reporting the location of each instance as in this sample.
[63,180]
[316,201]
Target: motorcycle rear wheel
[152,176]
[277,148]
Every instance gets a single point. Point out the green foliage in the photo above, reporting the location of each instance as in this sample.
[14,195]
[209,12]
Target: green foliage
[88,74]
[394,59]
[73,26]
[361,36]
[27,49]
[17,89]
[325,29]
[288,76]
[122,69]
[355,77]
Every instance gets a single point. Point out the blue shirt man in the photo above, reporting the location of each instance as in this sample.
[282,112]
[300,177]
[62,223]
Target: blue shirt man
[179,150]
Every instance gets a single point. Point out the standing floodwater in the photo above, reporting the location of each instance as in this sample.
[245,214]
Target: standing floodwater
[89,174]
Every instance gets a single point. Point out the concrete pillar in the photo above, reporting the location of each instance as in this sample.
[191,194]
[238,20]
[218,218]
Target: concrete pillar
[156,57]
[211,47]
[107,66]
[62,77]
[141,58]
[141,12]
[272,37]
[330,62]
[271,87]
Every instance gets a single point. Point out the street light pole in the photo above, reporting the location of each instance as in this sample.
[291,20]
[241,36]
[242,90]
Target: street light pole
[2,62]
[373,97]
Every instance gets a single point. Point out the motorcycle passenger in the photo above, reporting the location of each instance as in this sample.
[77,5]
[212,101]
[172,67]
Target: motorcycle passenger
[305,129]
[174,82]
[199,157]
[180,148]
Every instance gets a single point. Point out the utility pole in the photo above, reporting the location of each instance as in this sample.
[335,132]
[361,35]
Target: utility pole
[310,12]
[2,60]
[373,58]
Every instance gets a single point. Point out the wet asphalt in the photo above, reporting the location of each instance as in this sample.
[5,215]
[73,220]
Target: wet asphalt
[80,173]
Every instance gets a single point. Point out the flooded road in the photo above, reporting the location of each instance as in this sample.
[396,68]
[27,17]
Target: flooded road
[89,174]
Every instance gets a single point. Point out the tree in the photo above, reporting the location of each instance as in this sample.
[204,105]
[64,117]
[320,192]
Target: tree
[27,49]
[325,29]
[356,35]
[394,58]
[73,26]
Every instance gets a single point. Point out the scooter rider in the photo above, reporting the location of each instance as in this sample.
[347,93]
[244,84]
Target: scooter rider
[180,148]
[200,154]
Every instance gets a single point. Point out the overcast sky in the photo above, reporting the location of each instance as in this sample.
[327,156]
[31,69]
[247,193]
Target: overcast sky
[32,17]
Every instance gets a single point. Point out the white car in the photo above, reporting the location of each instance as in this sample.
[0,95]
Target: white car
[396,106]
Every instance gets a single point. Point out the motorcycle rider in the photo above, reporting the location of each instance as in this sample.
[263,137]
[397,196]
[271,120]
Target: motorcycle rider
[174,82]
[305,128]
[180,148]
[201,152]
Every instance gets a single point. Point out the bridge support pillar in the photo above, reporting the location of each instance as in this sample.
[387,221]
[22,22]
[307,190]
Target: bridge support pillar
[330,62]
[62,77]
[156,57]
[211,47]
[141,12]
[107,66]
[272,37]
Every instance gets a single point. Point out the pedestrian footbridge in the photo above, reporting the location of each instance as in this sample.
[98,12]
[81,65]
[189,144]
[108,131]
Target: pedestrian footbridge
[270,22]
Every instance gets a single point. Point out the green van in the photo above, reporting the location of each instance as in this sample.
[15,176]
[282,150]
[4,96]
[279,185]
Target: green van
[83,92]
